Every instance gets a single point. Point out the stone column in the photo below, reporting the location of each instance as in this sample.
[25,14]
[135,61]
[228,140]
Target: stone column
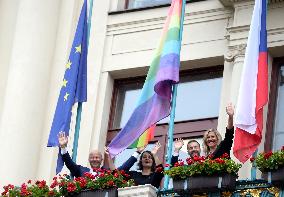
[8,16]
[27,88]
[236,56]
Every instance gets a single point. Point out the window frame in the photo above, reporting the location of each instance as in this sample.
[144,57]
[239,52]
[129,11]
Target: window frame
[275,79]
[182,129]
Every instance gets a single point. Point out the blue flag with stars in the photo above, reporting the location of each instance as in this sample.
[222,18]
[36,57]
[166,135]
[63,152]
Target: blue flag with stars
[74,84]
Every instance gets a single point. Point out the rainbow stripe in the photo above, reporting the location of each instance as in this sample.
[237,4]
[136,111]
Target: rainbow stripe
[154,102]
[144,139]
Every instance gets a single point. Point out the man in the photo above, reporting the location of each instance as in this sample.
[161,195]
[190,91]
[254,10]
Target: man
[193,149]
[95,159]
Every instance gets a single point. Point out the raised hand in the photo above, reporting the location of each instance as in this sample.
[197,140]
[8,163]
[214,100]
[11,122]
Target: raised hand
[230,109]
[108,159]
[106,150]
[62,139]
[156,148]
[178,144]
[140,149]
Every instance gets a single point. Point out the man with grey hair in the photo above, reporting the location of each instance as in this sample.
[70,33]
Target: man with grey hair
[95,158]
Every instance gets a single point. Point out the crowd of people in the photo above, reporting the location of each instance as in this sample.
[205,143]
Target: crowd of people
[147,173]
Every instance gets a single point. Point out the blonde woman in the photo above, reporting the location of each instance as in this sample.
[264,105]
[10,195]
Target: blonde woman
[213,145]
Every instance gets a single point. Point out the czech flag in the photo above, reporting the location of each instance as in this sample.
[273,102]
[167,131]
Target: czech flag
[253,93]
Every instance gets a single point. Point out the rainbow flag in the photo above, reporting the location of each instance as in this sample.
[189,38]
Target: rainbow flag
[154,102]
[144,139]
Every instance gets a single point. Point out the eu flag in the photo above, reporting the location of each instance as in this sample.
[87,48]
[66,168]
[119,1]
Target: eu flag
[74,84]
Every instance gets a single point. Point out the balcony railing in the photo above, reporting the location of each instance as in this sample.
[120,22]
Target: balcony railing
[257,188]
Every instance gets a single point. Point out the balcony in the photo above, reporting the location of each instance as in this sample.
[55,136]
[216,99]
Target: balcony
[257,188]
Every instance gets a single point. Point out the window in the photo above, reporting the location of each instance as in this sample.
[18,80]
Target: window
[197,108]
[132,4]
[275,125]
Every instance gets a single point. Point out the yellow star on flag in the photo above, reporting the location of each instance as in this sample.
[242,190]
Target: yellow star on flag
[66,96]
[64,83]
[68,65]
[78,49]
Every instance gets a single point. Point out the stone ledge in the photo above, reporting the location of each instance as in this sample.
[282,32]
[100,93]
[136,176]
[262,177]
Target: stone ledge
[141,191]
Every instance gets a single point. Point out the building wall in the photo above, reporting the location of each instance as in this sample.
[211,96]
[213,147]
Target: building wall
[121,45]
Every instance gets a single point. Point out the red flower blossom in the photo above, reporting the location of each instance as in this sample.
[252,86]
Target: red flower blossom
[42,184]
[54,184]
[252,159]
[195,158]
[219,160]
[51,193]
[71,187]
[110,183]
[267,155]
[167,165]
[159,169]
[189,161]
[225,155]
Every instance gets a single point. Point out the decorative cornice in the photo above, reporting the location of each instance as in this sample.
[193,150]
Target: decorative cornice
[235,51]
[230,3]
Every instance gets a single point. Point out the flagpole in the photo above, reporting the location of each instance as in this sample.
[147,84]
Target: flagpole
[79,108]
[253,168]
[173,108]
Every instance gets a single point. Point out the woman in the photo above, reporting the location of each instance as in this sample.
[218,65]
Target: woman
[213,146]
[149,166]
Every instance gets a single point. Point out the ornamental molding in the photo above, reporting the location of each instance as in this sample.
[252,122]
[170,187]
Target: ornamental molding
[235,51]
[231,3]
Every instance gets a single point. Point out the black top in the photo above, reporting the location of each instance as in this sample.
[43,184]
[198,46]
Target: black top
[225,145]
[154,178]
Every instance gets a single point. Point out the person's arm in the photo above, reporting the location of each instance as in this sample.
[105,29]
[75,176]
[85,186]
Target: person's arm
[132,160]
[154,152]
[70,164]
[178,144]
[109,160]
[226,145]
[230,111]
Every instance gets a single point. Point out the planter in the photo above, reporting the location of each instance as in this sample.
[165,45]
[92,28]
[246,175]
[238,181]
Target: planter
[97,193]
[206,183]
[180,184]
[275,177]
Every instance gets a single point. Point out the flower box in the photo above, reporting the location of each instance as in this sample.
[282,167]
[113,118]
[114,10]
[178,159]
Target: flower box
[275,177]
[206,183]
[97,193]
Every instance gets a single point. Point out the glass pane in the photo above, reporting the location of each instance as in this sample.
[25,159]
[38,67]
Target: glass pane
[279,114]
[195,100]
[146,3]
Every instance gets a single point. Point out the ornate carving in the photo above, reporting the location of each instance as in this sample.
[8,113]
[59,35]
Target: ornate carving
[259,192]
[233,52]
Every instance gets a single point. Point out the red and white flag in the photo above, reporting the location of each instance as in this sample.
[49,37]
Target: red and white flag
[253,93]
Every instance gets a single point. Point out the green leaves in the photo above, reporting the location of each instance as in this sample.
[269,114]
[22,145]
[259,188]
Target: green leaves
[204,167]
[270,161]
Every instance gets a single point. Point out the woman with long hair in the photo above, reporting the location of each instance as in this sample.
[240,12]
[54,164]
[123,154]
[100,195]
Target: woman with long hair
[149,167]
[213,145]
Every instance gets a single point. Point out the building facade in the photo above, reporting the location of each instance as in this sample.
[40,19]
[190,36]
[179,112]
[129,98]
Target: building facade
[35,39]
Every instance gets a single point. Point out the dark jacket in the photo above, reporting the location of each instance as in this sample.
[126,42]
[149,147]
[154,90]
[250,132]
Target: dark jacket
[78,170]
